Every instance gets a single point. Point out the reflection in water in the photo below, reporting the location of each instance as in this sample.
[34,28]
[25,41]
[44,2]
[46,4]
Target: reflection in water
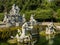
[47,40]
[30,43]
[50,39]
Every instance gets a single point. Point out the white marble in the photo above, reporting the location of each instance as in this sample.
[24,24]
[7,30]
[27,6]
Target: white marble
[15,10]
[24,20]
[24,26]
[50,29]
[5,17]
[32,20]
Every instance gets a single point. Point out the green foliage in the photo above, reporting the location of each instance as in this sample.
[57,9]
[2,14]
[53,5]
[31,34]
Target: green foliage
[57,16]
[44,14]
[43,9]
[40,14]
[1,16]
[5,33]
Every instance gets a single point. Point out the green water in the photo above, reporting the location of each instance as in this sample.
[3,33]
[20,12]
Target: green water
[43,40]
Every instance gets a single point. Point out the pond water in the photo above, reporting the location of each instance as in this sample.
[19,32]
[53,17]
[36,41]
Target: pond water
[43,40]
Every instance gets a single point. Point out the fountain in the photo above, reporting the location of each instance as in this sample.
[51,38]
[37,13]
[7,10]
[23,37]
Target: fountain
[21,35]
[13,18]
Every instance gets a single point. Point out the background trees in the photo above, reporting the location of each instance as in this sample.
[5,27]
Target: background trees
[43,9]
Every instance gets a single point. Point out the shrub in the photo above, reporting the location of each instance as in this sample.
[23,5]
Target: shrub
[1,16]
[5,33]
[57,16]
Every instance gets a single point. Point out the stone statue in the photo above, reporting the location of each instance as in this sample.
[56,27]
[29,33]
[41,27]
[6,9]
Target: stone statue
[17,10]
[21,35]
[14,10]
[50,29]
[24,20]
[5,17]
[24,27]
[18,35]
[32,20]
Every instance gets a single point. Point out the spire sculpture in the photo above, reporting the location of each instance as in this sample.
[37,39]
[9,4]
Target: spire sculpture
[20,36]
[32,20]
[24,20]
[15,10]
